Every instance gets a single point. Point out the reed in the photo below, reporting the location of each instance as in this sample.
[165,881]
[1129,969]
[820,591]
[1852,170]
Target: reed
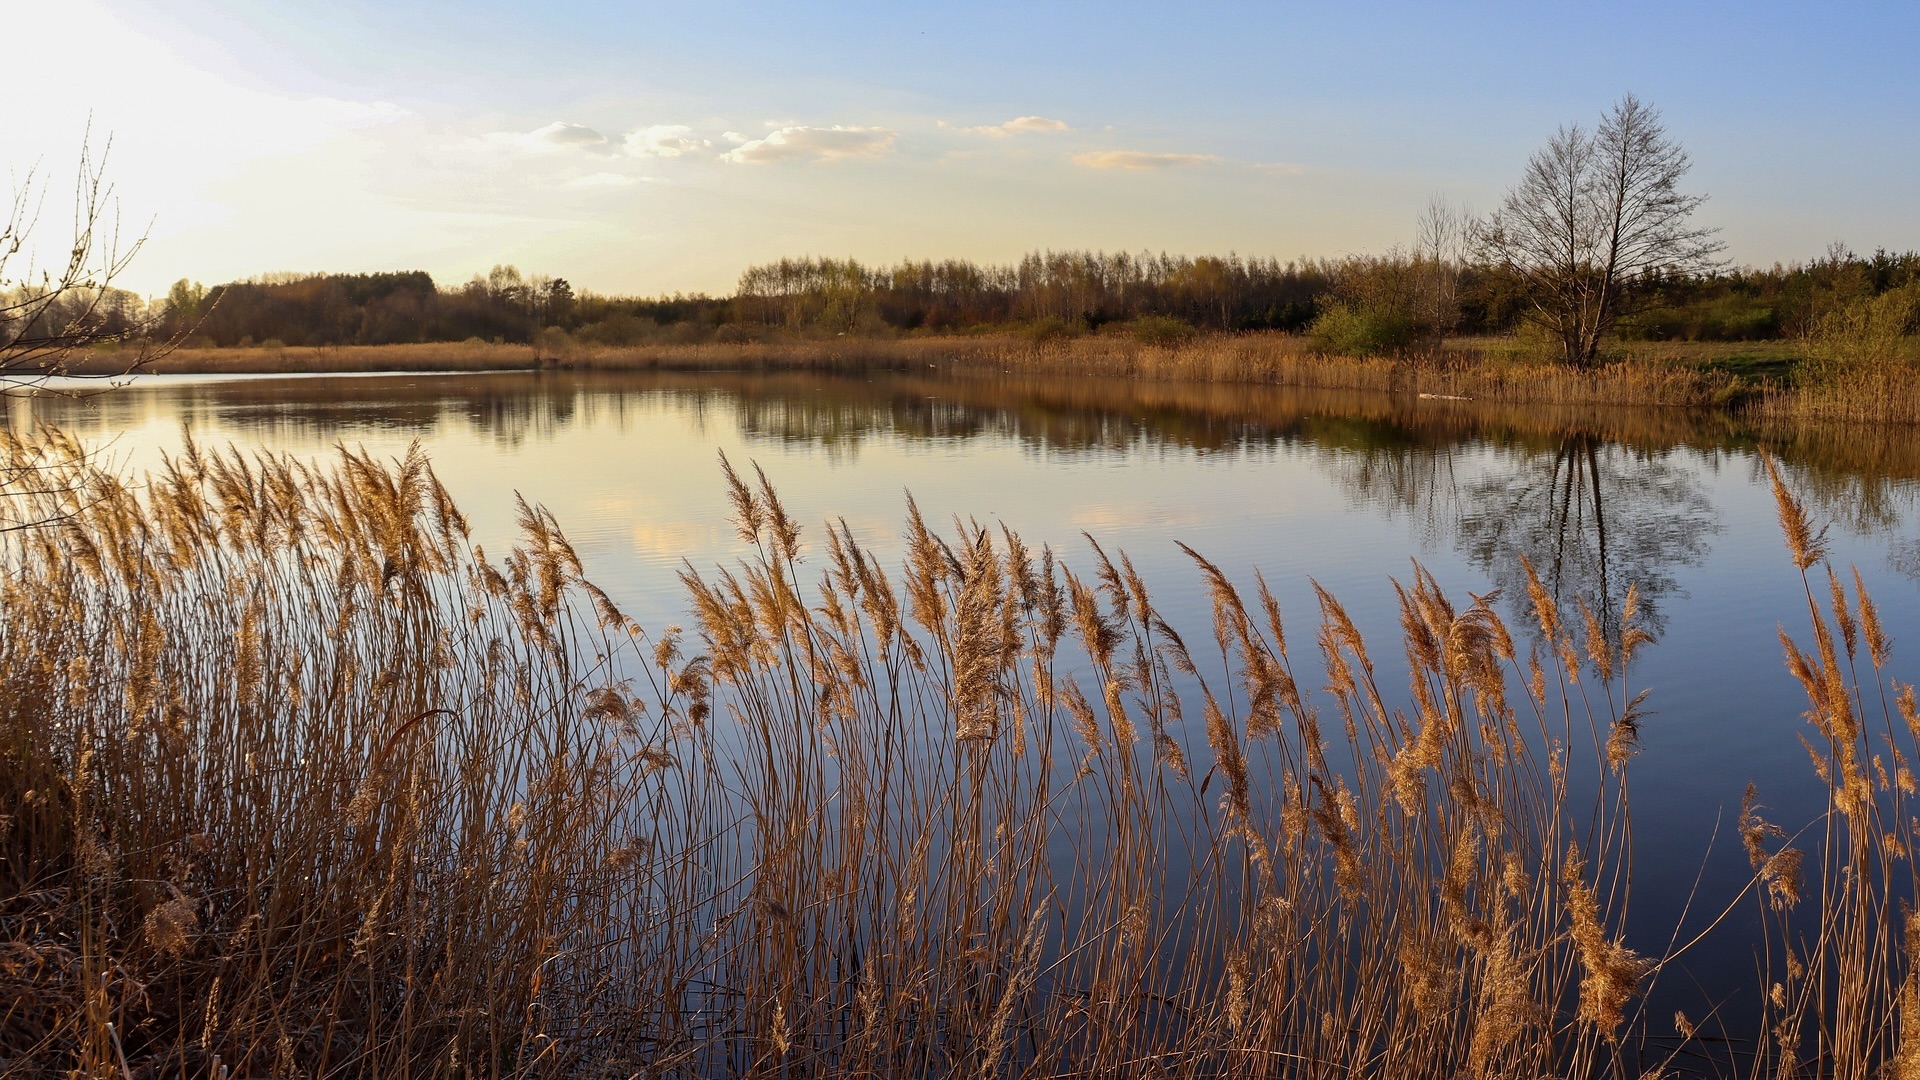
[1488,369]
[1889,391]
[296,780]
[1276,359]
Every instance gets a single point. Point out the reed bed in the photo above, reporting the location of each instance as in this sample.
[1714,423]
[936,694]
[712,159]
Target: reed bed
[473,355]
[296,780]
[1692,375]
[1272,359]
[1889,391]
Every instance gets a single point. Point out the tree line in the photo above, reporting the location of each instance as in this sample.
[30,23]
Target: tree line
[1387,302]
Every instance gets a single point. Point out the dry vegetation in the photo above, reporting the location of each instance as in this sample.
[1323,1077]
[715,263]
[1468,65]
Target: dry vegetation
[296,781]
[1887,395]
[1771,380]
[1484,369]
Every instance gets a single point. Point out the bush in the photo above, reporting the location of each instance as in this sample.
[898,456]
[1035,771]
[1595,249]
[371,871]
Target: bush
[1161,330]
[1528,344]
[1346,330]
[1862,337]
[1041,331]
[619,329]
[553,343]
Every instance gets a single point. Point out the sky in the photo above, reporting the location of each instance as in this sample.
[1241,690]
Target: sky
[642,148]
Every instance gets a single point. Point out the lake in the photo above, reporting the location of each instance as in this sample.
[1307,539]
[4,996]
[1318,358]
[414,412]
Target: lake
[1349,490]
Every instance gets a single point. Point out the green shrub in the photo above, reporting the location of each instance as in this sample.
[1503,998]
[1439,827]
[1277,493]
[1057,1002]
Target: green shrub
[1162,330]
[1863,337]
[1345,330]
[1041,331]
[553,343]
[619,329]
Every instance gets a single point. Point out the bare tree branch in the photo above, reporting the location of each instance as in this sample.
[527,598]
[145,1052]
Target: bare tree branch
[52,315]
[1595,216]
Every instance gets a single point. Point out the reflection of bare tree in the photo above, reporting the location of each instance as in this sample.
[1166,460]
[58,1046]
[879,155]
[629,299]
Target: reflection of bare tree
[1594,519]
[1592,516]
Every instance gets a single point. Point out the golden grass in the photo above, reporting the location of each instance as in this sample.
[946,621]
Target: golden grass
[295,780]
[1689,374]
[301,360]
[1276,359]
[1887,392]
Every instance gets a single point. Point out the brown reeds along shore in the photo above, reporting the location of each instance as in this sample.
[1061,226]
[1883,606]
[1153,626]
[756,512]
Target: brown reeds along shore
[296,780]
[1754,379]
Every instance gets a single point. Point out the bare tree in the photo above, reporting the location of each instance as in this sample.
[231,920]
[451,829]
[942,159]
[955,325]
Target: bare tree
[1596,215]
[1443,230]
[50,314]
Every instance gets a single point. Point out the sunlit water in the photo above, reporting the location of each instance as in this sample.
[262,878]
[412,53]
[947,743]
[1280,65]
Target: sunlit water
[1346,490]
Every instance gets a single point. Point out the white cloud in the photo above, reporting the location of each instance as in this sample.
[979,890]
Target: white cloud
[1019,125]
[323,117]
[1139,159]
[558,135]
[664,141]
[611,180]
[815,144]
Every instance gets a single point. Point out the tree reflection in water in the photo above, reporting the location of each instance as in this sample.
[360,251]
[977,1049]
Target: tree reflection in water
[1594,519]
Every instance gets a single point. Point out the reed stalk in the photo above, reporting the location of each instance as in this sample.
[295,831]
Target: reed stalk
[297,780]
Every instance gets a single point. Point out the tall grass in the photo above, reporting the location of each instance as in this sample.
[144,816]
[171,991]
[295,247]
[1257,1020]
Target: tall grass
[1883,393]
[1469,369]
[1513,371]
[298,781]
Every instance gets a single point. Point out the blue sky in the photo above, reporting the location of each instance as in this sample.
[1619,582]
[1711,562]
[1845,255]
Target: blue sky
[652,147]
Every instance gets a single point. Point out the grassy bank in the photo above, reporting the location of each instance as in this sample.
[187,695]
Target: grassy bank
[1757,378]
[295,780]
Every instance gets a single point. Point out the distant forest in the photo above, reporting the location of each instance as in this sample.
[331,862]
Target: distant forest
[1381,303]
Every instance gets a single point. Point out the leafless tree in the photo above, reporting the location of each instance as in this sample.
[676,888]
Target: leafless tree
[53,312]
[1442,232]
[1596,215]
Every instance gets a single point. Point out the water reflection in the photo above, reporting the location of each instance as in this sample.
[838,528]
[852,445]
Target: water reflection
[1593,497]
[1593,519]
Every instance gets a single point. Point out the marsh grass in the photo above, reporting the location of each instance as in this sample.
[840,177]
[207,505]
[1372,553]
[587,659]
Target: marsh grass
[1477,368]
[1888,391]
[298,781]
[1766,380]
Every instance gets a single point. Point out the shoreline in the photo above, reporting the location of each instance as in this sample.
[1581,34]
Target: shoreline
[1734,379]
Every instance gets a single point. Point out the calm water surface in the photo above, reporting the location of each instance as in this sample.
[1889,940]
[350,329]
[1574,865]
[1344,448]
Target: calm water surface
[1345,489]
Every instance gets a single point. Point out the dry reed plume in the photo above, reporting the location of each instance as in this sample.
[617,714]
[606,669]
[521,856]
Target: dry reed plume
[294,780]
